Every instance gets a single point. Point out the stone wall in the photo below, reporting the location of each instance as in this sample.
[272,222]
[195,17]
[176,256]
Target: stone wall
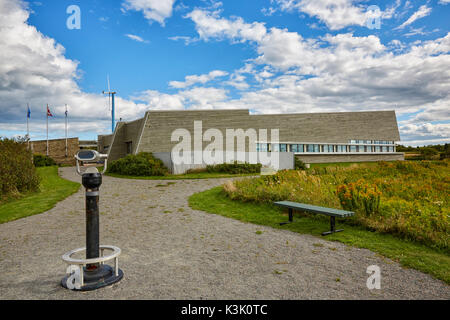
[57,149]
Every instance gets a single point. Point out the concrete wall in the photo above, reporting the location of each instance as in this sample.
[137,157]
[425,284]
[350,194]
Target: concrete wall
[57,149]
[104,142]
[283,160]
[318,158]
[118,147]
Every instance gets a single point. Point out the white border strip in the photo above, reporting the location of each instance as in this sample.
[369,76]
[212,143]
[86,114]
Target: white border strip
[142,132]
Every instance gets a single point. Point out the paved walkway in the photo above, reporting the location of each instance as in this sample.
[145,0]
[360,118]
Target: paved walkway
[173,252]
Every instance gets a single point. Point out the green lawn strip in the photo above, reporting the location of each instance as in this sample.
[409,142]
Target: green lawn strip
[53,189]
[202,175]
[408,254]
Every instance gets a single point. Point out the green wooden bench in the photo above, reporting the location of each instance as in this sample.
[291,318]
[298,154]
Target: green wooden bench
[333,213]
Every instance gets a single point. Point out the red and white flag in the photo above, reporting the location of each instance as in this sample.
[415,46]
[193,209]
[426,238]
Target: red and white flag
[49,114]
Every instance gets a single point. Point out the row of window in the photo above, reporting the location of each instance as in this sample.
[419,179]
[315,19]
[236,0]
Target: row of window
[371,142]
[310,148]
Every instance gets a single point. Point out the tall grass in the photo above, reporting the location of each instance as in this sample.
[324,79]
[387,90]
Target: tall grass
[406,199]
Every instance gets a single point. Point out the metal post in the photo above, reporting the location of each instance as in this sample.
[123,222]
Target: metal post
[332,224]
[291,218]
[47,130]
[113,113]
[92,227]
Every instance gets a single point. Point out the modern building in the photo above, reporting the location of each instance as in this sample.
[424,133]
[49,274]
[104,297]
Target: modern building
[312,137]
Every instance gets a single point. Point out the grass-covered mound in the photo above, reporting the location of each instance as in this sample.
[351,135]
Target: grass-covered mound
[142,164]
[18,175]
[406,199]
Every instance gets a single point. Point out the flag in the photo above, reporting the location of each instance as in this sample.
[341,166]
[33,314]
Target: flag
[29,113]
[49,114]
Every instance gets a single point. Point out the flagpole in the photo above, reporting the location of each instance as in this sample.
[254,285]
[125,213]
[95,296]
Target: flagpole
[46,111]
[66,130]
[28,127]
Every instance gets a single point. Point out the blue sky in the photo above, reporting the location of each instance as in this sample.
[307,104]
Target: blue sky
[274,56]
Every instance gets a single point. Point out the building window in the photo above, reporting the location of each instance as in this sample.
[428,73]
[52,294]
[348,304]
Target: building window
[262,147]
[283,147]
[309,148]
[275,147]
[297,148]
[352,148]
[129,147]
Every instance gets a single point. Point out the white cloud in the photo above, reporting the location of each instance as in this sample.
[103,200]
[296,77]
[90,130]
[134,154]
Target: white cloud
[336,14]
[210,25]
[193,79]
[34,70]
[195,98]
[423,11]
[153,10]
[136,38]
[339,72]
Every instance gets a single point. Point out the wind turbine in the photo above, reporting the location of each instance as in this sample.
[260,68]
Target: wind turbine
[111,94]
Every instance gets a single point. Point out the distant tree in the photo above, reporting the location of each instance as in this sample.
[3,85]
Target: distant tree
[446,153]
[428,153]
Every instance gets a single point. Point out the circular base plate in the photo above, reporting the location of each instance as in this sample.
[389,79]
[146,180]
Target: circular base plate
[100,278]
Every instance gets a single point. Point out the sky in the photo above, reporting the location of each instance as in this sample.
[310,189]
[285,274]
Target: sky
[268,56]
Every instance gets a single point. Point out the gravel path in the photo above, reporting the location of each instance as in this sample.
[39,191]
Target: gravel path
[170,251]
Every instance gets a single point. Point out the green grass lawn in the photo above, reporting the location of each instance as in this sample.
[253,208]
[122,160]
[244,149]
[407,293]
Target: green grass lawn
[53,189]
[408,254]
[200,175]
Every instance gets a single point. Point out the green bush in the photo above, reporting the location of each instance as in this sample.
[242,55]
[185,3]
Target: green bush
[299,164]
[17,173]
[142,164]
[235,168]
[41,160]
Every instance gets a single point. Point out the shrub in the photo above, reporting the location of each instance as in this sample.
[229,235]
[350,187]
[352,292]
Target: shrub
[17,173]
[359,196]
[299,164]
[235,168]
[142,164]
[41,160]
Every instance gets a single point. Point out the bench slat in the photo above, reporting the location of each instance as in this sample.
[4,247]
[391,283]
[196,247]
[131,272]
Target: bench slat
[314,209]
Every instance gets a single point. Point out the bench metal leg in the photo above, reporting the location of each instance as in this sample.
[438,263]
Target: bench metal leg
[291,217]
[332,227]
